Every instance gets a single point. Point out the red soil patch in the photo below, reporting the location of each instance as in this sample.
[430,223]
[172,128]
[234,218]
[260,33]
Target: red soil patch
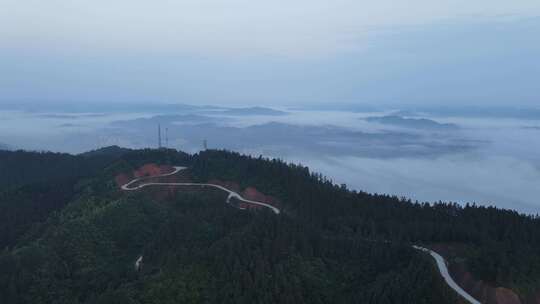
[249,193]
[147,170]
[253,194]
[122,179]
[152,170]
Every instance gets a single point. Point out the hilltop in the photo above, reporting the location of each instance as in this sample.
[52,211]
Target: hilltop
[70,234]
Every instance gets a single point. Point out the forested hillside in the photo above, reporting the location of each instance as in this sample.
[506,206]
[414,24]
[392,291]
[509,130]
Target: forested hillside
[503,247]
[76,238]
[35,184]
[22,167]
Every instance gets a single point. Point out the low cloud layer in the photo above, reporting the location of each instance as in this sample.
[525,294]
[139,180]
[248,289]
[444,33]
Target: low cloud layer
[504,182]
[490,161]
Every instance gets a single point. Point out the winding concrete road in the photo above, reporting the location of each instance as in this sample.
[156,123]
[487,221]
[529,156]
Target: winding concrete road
[177,169]
[441,263]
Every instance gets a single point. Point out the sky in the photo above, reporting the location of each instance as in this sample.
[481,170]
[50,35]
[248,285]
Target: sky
[242,52]
[413,56]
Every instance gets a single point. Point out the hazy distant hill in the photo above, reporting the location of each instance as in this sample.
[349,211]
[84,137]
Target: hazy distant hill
[331,140]
[254,111]
[96,107]
[164,120]
[4,147]
[112,151]
[414,123]
[531,113]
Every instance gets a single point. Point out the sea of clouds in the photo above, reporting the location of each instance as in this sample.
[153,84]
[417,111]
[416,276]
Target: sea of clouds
[489,161]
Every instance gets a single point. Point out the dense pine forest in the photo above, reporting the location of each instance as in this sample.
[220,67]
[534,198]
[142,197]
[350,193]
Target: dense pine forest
[504,245]
[70,235]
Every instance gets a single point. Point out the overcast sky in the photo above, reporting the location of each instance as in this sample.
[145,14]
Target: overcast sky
[480,52]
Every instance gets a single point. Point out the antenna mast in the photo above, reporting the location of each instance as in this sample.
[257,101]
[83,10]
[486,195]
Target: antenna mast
[159,136]
[167,137]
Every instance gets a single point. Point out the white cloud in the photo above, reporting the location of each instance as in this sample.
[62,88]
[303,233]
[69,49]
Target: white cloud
[505,182]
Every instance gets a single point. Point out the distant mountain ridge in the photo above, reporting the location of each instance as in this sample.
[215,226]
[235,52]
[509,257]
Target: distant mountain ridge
[112,151]
[530,113]
[4,147]
[254,111]
[164,120]
[414,123]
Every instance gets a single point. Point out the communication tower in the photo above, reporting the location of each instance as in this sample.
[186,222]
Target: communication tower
[159,136]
